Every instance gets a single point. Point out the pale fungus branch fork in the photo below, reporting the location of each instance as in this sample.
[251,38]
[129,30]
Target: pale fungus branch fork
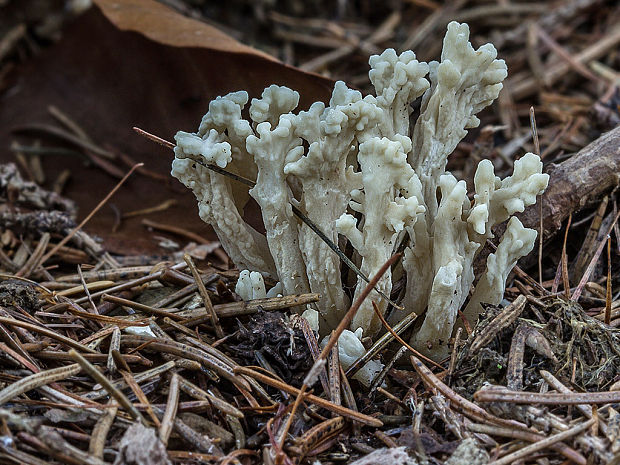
[354,170]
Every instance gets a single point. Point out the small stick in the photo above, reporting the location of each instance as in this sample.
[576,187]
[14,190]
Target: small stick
[512,458]
[57,355]
[165,205]
[548,398]
[133,283]
[46,332]
[154,138]
[170,413]
[514,369]
[121,321]
[592,264]
[345,412]
[348,317]
[194,391]
[90,215]
[68,137]
[608,293]
[139,393]
[175,230]
[381,343]
[86,291]
[18,352]
[115,344]
[185,351]
[565,280]
[318,434]
[34,261]
[37,380]
[197,316]
[313,346]
[205,296]
[468,408]
[400,339]
[540,232]
[576,65]
[289,421]
[143,308]
[100,432]
[563,449]
[505,318]
[98,376]
[391,396]
[334,375]
[349,399]
[92,286]
[66,121]
[590,239]
[453,355]
[555,383]
[378,380]
[143,376]
[130,272]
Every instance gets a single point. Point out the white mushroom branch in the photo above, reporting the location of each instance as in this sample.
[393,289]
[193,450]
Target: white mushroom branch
[357,173]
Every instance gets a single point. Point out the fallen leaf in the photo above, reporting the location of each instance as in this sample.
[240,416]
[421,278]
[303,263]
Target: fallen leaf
[109,81]
[161,24]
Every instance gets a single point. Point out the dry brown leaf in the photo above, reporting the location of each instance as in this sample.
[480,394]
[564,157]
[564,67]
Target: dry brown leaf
[108,81]
[164,25]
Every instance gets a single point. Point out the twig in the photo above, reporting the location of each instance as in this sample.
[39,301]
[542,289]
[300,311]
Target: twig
[381,343]
[139,393]
[529,86]
[399,339]
[87,291]
[505,318]
[205,296]
[548,398]
[592,265]
[163,206]
[36,380]
[34,261]
[89,216]
[100,432]
[175,230]
[194,391]
[67,136]
[47,332]
[608,287]
[568,452]
[66,121]
[98,376]
[565,279]
[540,229]
[468,408]
[192,353]
[345,412]
[555,383]
[172,405]
[512,458]
[313,346]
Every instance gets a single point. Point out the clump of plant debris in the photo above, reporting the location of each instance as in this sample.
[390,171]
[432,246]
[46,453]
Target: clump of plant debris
[560,337]
[271,340]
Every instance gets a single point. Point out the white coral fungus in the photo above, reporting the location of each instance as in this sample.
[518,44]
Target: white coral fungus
[354,169]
